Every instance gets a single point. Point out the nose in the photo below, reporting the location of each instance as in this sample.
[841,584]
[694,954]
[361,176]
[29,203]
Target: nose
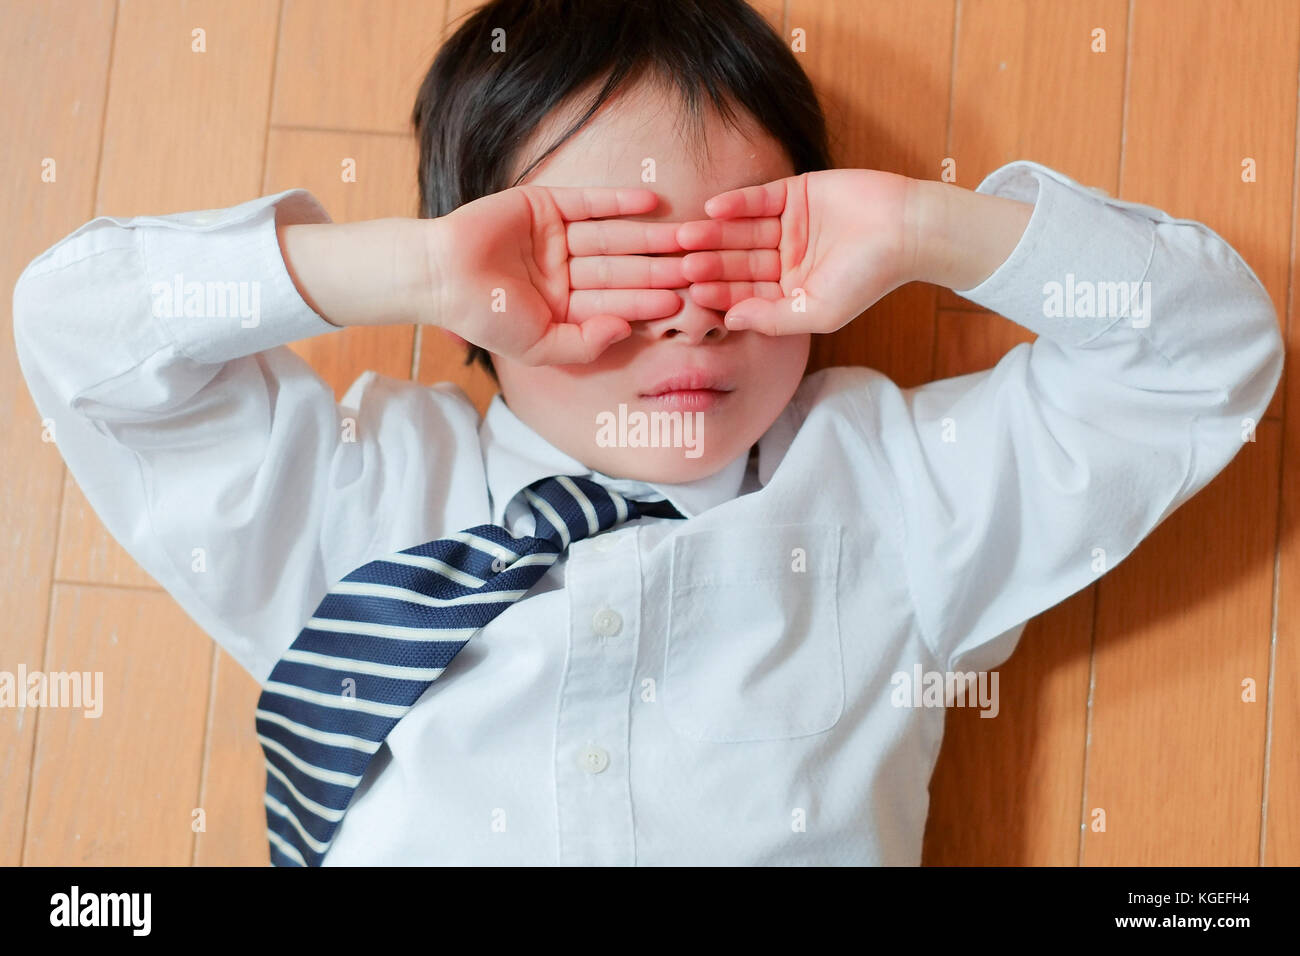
[690,325]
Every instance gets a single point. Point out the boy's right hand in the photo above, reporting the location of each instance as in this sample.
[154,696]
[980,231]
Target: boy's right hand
[533,274]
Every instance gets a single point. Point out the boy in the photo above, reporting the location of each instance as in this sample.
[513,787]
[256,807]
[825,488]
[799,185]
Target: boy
[706,681]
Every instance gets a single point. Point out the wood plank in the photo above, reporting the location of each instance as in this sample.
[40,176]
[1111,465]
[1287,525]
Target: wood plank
[66,44]
[1029,86]
[120,788]
[88,554]
[1186,141]
[199,142]
[970,341]
[1176,756]
[1026,85]
[354,64]
[1186,621]
[1280,839]
[889,112]
[234,778]
[1281,831]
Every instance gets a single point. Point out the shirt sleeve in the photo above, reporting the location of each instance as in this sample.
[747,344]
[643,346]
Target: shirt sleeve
[156,347]
[1017,486]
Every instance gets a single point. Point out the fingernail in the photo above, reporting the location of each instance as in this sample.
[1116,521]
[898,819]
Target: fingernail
[738,321]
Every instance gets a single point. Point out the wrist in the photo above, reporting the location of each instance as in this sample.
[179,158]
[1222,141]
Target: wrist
[431,269]
[962,237]
[356,273]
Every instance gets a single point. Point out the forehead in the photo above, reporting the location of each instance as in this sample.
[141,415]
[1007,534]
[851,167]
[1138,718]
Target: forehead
[644,132]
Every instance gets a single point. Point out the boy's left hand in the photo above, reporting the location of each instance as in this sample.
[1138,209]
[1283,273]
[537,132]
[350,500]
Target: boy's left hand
[808,253]
[845,237]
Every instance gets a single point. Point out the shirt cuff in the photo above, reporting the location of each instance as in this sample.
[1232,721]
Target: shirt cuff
[218,282]
[1075,236]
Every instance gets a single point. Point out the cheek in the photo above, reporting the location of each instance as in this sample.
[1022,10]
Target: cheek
[551,399]
[538,382]
[780,362]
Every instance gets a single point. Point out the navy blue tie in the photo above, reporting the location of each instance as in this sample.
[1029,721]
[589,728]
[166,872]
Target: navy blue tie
[383,634]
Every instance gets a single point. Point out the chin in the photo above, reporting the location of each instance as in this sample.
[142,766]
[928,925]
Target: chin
[664,465]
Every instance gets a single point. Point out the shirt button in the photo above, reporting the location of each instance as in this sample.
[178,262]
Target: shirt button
[607,622]
[602,542]
[594,759]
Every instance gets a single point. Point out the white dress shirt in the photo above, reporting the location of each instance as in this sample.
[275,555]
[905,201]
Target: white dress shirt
[674,692]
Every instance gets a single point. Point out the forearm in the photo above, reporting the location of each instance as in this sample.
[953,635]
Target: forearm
[373,272]
[963,236]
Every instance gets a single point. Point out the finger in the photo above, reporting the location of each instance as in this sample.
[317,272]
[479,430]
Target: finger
[739,265]
[730,234]
[592,202]
[612,237]
[721,296]
[631,304]
[571,343]
[749,201]
[626,272]
[769,317]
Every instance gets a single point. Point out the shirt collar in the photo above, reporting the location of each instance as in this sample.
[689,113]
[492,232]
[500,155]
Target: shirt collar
[515,456]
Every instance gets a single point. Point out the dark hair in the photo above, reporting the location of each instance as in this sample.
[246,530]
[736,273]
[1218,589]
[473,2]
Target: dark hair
[477,108]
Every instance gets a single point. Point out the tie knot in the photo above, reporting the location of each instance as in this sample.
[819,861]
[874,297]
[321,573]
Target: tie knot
[568,509]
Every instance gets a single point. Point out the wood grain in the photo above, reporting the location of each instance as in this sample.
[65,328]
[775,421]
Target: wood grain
[1029,85]
[1280,832]
[889,113]
[66,43]
[354,64]
[120,788]
[1176,756]
[1190,127]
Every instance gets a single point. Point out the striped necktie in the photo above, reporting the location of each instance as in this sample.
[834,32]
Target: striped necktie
[386,632]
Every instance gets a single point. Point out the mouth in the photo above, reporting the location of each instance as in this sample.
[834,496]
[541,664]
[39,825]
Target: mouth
[693,391]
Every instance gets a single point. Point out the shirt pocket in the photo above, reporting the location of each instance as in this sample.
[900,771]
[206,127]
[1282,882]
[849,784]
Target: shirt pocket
[753,645]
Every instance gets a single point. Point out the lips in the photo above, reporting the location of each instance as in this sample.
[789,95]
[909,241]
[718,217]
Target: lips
[692,390]
[693,380]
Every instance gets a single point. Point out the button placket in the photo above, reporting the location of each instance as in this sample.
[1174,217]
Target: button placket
[592,785]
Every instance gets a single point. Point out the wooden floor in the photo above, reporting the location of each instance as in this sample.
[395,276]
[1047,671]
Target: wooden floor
[1124,703]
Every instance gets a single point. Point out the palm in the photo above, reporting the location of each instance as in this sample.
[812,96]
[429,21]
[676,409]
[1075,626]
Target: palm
[530,273]
[520,245]
[841,242]
[825,246]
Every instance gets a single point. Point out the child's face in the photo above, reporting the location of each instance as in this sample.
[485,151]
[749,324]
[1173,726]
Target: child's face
[563,403]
